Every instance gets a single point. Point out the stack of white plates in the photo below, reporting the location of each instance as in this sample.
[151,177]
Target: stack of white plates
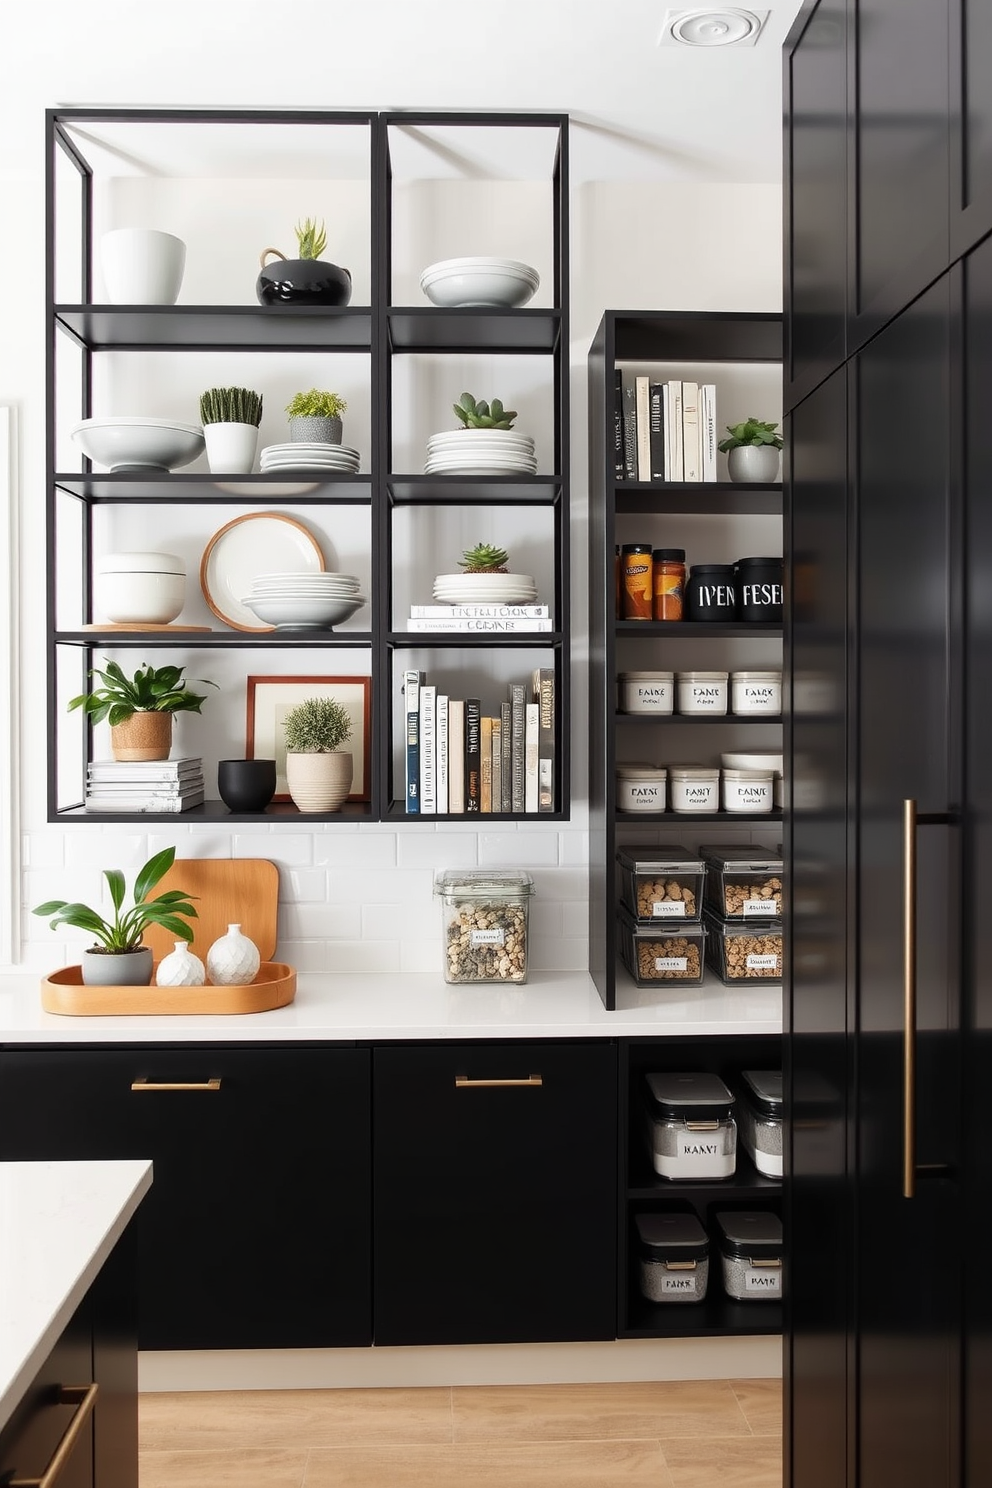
[455,283]
[485,588]
[309,455]
[480,452]
[294,601]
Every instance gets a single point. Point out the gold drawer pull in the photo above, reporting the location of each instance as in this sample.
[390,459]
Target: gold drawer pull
[82,1396]
[462,1082]
[175,1084]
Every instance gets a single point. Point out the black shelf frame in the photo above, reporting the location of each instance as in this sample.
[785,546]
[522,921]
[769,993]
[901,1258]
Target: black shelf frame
[668,336]
[379,331]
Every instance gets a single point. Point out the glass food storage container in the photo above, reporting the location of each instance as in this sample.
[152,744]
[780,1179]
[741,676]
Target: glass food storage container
[690,1126]
[743,882]
[667,885]
[739,953]
[750,1243]
[485,924]
[661,955]
[759,1117]
[673,1257]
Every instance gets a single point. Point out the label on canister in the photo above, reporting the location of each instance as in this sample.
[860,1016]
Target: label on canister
[668,909]
[761,963]
[487,937]
[700,1148]
[677,1284]
[763,1281]
[671,963]
[760,909]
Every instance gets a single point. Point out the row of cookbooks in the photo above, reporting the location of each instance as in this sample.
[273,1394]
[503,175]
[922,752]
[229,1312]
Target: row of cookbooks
[664,431]
[462,761]
[172,785]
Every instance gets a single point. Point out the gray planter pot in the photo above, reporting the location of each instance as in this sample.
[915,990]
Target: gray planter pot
[754,462]
[117,969]
[315,430]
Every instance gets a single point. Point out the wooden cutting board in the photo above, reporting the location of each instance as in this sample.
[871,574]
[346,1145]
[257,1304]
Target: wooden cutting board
[226,891]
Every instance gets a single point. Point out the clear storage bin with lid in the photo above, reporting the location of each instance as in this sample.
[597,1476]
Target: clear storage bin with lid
[750,1243]
[690,1126]
[485,924]
[663,886]
[641,787]
[694,788]
[743,953]
[646,692]
[672,1257]
[662,955]
[743,882]
[759,1116]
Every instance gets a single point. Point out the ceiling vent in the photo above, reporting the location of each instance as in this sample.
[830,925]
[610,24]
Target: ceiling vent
[713,27]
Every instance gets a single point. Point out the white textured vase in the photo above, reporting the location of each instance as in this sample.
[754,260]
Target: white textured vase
[233,960]
[180,968]
[230,448]
[142,266]
[319,782]
[753,462]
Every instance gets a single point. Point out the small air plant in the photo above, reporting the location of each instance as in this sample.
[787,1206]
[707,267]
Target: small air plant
[484,558]
[230,405]
[483,415]
[311,238]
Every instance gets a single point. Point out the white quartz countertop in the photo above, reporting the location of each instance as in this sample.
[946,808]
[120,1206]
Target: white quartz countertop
[420,1005]
[59,1221]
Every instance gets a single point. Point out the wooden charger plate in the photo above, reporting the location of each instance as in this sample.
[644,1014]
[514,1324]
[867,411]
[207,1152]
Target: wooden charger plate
[63,992]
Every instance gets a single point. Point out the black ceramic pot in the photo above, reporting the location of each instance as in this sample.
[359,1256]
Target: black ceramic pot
[246,784]
[301,281]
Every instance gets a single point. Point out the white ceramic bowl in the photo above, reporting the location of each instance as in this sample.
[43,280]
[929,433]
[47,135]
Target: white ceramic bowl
[138,443]
[459,283]
[139,588]
[301,613]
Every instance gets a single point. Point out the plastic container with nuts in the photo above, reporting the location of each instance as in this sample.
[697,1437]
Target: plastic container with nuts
[662,955]
[663,887]
[743,953]
[485,924]
[673,1257]
[743,882]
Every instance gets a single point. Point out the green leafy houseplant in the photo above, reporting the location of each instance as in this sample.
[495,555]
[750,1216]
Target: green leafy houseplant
[316,404]
[311,238]
[316,726]
[484,558]
[150,690]
[123,933]
[751,432]
[230,405]
[483,415]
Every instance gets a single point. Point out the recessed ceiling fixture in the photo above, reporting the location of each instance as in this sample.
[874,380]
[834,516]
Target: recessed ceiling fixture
[713,27]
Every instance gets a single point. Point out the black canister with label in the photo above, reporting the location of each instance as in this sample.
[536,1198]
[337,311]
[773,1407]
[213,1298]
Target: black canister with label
[710,593]
[758,582]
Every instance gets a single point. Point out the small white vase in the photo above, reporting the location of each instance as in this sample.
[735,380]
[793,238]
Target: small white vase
[180,968]
[230,448]
[319,782]
[753,462]
[233,960]
[141,266]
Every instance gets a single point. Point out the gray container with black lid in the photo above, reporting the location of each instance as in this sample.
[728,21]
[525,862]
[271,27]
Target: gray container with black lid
[760,1116]
[691,1127]
[750,1244]
[673,1257]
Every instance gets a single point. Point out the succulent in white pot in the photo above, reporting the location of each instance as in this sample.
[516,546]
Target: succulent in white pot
[318,772]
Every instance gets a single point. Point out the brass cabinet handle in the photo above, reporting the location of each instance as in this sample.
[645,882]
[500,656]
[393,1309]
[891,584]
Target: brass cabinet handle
[909,999]
[175,1084]
[462,1082]
[82,1396]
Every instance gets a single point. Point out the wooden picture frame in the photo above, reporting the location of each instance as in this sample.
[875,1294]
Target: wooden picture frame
[268,700]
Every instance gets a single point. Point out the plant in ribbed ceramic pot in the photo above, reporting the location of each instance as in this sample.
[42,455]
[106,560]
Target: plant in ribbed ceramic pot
[140,708]
[318,772]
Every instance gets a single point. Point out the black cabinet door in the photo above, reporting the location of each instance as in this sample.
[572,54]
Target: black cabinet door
[908,1338]
[971,99]
[495,1193]
[256,1232]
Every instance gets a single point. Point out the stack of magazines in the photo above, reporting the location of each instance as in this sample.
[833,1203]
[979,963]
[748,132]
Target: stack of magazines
[144,785]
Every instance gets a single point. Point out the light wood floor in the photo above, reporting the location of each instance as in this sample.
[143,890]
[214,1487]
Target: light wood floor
[686,1434]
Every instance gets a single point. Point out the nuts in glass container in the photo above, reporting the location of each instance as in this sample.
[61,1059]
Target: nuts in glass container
[758,899]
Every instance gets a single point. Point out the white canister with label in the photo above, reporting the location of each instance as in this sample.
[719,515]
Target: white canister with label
[694,787]
[703,694]
[750,791]
[756,692]
[646,692]
[641,787]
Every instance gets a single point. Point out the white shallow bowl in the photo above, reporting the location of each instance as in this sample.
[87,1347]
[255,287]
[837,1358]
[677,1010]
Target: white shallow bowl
[752,761]
[138,443]
[300,613]
[466,283]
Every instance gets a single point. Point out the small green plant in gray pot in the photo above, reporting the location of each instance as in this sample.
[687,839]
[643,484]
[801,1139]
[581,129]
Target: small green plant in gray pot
[318,772]
[752,451]
[230,417]
[119,959]
[315,417]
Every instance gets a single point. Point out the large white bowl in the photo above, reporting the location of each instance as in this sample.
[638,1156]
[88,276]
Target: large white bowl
[138,443]
[462,283]
[300,613]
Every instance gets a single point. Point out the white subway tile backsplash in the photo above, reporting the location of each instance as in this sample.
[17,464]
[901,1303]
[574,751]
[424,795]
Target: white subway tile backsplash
[411,921]
[363,956]
[327,921]
[291,848]
[110,847]
[573,849]
[545,918]
[305,955]
[356,851]
[421,955]
[371,886]
[518,850]
[575,919]
[558,955]
[302,885]
[190,844]
[42,850]
[437,849]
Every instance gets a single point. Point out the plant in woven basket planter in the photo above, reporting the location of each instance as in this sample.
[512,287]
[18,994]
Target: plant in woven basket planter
[230,418]
[119,958]
[318,773]
[315,416]
[484,558]
[752,450]
[483,415]
[139,709]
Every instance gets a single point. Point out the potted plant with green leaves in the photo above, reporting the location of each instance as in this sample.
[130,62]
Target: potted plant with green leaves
[307,280]
[139,709]
[485,444]
[483,415]
[315,417]
[752,450]
[319,773]
[484,558]
[230,417]
[119,958]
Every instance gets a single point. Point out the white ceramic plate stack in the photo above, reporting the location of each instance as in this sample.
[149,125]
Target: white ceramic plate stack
[480,452]
[334,459]
[293,601]
[485,588]
[493,283]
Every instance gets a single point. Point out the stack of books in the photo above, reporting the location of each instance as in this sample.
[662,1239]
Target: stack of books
[664,431]
[462,761]
[468,617]
[144,785]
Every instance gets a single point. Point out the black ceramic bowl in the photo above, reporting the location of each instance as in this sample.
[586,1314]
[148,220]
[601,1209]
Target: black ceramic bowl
[303,281]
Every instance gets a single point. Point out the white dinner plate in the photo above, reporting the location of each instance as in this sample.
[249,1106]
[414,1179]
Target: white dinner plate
[245,547]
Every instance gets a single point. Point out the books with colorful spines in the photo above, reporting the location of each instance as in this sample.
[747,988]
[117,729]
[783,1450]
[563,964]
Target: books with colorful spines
[428,778]
[486,764]
[473,757]
[441,752]
[656,437]
[411,698]
[532,727]
[506,742]
[480,611]
[518,703]
[642,403]
[456,756]
[497,764]
[470,623]
[617,424]
[543,689]
[168,805]
[707,410]
[629,431]
[691,446]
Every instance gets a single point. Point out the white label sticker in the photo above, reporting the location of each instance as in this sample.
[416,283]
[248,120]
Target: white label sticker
[677,1285]
[487,937]
[761,909]
[668,909]
[671,963]
[762,963]
[699,1144]
[763,1281]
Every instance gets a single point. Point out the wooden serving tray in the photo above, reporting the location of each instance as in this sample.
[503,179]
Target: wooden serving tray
[146,627]
[63,992]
